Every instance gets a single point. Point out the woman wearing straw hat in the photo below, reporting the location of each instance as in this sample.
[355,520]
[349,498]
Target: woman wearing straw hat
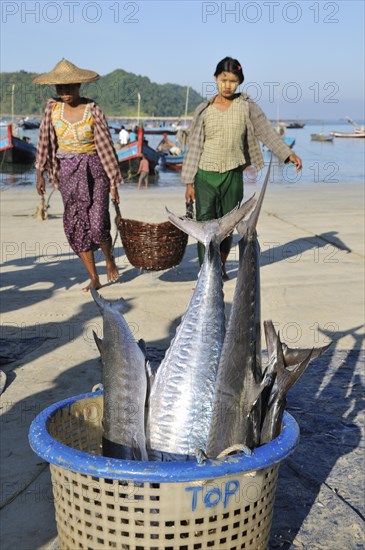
[76,150]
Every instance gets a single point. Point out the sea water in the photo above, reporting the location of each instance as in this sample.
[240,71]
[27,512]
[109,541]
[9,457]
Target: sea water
[337,162]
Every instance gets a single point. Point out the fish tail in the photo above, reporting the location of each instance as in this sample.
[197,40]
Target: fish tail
[271,339]
[286,378]
[203,231]
[296,355]
[121,306]
[249,226]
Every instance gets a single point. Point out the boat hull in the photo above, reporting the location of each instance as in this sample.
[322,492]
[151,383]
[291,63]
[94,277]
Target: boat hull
[129,157]
[15,150]
[173,162]
[348,134]
[321,137]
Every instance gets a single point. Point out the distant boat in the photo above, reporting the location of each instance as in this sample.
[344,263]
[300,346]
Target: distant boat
[169,130]
[173,162]
[129,156]
[355,134]
[28,124]
[16,150]
[359,131]
[295,125]
[290,141]
[321,137]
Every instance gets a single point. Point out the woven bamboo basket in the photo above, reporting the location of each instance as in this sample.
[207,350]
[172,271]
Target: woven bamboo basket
[151,246]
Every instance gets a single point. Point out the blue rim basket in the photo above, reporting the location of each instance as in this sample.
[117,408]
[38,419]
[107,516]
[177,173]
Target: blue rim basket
[102,502]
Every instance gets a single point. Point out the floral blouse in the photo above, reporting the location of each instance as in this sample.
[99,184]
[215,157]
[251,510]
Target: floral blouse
[73,137]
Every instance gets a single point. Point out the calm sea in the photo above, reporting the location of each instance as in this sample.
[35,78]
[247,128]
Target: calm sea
[337,162]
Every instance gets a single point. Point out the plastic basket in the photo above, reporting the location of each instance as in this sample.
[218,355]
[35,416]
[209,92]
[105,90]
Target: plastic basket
[108,503]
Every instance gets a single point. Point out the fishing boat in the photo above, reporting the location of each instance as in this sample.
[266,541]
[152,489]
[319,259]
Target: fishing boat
[16,150]
[355,134]
[358,132]
[28,124]
[169,130]
[173,162]
[321,137]
[292,125]
[290,141]
[129,156]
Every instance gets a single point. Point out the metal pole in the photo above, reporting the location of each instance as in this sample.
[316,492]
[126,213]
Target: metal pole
[138,108]
[186,102]
[12,102]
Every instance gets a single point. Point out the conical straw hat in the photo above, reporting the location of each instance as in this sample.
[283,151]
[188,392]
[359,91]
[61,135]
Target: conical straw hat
[66,73]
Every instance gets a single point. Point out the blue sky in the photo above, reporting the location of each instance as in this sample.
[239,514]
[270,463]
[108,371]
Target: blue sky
[300,59]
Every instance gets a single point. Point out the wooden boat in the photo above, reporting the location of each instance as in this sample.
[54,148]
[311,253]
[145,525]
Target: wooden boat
[16,150]
[321,137]
[159,130]
[173,162]
[129,156]
[290,141]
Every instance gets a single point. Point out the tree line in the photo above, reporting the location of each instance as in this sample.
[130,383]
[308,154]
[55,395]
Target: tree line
[116,92]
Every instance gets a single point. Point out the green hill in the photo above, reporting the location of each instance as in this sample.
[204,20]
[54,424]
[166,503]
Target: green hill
[115,92]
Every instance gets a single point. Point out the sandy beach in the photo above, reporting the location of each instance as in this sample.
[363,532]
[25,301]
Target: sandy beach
[312,287]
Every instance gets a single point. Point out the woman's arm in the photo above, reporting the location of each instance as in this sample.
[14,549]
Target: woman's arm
[266,133]
[41,183]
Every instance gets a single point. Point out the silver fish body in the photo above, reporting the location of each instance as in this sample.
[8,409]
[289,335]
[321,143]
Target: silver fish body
[236,414]
[125,385]
[182,393]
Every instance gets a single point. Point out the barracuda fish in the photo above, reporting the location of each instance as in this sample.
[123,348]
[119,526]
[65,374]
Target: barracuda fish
[182,393]
[235,420]
[124,382]
[285,366]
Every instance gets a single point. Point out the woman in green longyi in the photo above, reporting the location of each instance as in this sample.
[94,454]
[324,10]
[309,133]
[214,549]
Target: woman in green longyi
[223,143]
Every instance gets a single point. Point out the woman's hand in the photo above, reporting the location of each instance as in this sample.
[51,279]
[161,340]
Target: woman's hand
[114,194]
[41,184]
[190,193]
[297,161]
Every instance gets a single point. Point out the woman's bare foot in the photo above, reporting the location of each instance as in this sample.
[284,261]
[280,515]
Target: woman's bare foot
[94,283]
[112,271]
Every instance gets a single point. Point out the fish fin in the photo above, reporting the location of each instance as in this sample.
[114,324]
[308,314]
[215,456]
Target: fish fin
[228,222]
[142,346]
[121,306]
[99,300]
[249,227]
[271,339]
[191,227]
[98,342]
[221,228]
[286,378]
[293,356]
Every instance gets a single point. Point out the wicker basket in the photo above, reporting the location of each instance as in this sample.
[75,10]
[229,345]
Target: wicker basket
[152,246]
